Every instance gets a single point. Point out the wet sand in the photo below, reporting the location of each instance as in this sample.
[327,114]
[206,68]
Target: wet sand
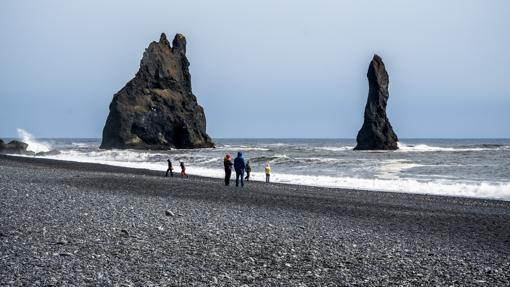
[67,223]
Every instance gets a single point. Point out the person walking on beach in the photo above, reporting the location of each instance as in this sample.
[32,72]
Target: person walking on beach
[239,166]
[183,170]
[170,169]
[248,170]
[227,164]
[268,172]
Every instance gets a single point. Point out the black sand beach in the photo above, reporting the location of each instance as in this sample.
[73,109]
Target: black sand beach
[65,223]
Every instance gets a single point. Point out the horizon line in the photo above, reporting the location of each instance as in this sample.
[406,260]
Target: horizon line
[298,138]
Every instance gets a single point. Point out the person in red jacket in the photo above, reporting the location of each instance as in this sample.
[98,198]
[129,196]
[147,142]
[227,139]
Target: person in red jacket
[183,170]
[227,164]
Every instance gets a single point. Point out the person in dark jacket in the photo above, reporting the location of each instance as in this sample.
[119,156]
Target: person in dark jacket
[248,170]
[170,169]
[239,167]
[227,164]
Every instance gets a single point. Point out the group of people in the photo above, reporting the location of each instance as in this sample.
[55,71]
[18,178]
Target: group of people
[240,166]
[171,169]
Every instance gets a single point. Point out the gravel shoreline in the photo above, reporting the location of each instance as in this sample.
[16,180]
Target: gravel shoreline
[67,223]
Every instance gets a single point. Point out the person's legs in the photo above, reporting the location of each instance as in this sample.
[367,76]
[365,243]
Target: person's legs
[237,178]
[166,174]
[242,179]
[228,173]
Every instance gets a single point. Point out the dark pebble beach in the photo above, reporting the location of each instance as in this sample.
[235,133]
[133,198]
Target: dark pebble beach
[78,224]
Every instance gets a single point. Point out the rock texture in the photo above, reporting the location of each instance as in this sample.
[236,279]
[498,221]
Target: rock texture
[376,132]
[157,109]
[13,147]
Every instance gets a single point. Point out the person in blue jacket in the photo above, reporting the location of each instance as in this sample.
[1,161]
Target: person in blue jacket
[239,167]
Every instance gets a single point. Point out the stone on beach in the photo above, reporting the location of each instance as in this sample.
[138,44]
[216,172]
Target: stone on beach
[124,232]
[350,237]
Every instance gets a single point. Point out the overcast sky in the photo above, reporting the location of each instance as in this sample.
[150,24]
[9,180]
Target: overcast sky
[263,68]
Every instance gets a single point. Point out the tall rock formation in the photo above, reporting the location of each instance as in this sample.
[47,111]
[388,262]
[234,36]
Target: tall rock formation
[376,132]
[157,109]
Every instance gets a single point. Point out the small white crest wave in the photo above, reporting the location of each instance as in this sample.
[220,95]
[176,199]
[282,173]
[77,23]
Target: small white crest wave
[335,148]
[426,148]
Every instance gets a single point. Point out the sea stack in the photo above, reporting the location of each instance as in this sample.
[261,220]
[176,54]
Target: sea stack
[376,132]
[157,109]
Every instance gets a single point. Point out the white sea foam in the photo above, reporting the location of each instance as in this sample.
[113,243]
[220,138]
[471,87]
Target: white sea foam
[316,159]
[391,169]
[253,149]
[499,190]
[335,148]
[423,148]
[33,144]
[82,145]
[234,149]
[278,144]
[210,160]
[390,183]
[124,158]
[426,148]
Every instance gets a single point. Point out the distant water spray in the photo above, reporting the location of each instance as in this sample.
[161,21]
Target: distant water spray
[33,144]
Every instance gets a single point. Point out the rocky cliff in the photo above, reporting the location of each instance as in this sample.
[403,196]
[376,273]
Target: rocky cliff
[157,109]
[376,132]
[16,147]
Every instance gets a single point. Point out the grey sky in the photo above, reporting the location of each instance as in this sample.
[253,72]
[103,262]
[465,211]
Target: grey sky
[263,68]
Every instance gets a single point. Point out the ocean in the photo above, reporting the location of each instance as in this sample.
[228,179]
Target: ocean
[456,167]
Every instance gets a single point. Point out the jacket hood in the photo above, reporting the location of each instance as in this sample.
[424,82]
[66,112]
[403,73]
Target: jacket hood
[239,154]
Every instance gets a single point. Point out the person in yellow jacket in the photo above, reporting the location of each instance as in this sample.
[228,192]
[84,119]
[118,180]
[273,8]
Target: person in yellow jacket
[268,172]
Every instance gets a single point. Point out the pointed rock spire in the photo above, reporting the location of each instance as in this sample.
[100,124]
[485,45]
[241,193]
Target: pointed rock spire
[376,132]
[179,44]
[164,40]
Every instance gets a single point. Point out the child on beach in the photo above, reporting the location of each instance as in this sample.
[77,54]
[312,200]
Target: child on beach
[183,170]
[268,172]
[170,169]
[248,171]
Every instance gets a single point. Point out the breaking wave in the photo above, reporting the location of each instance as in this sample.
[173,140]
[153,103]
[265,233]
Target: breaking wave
[335,148]
[496,190]
[426,148]
[33,144]
[427,167]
